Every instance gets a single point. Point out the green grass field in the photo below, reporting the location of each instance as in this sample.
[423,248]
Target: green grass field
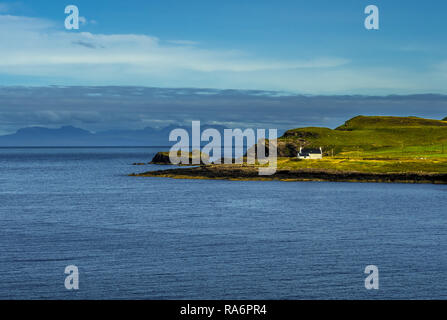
[378,137]
[374,145]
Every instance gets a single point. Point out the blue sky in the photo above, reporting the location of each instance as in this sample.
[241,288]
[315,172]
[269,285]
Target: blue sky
[308,47]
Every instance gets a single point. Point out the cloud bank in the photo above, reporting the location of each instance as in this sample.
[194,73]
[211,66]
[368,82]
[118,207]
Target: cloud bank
[38,48]
[37,51]
[118,107]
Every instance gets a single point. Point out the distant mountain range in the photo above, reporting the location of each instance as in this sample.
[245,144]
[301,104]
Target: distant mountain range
[69,136]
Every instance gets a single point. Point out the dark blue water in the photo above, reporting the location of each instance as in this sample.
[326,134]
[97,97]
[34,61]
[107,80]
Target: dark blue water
[156,238]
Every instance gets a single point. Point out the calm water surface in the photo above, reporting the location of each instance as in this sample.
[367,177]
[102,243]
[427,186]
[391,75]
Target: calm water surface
[156,238]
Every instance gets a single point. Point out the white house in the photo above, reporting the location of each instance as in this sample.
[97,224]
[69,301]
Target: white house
[309,153]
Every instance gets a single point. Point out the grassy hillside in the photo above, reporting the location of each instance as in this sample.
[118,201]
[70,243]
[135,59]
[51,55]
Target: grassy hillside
[376,137]
[372,149]
[377,122]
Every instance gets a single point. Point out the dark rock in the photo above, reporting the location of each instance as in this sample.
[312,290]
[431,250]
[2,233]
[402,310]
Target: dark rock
[163,158]
[285,148]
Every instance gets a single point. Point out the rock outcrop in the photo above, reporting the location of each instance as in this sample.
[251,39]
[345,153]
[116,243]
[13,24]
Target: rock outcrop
[163,158]
[285,148]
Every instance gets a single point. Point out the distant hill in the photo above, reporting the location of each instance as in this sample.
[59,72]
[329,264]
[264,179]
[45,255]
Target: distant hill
[69,136]
[378,122]
[40,136]
[371,136]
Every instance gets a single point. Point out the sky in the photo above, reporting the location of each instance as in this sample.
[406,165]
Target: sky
[236,63]
[303,47]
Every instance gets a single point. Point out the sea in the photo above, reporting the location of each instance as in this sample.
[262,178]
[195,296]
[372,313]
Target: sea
[162,238]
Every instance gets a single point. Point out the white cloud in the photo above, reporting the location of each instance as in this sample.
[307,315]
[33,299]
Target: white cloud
[83,20]
[42,49]
[36,44]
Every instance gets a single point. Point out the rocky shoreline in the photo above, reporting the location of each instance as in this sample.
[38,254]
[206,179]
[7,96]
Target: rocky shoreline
[239,172]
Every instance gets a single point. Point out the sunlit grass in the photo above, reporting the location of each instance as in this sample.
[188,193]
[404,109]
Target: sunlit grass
[433,165]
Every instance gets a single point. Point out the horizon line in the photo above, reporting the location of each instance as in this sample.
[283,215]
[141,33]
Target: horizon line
[281,92]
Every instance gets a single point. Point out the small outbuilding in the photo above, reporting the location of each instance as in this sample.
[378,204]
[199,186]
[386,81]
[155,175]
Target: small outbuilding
[310,153]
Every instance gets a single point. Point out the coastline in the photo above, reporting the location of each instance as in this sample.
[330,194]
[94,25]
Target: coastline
[250,173]
[363,149]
